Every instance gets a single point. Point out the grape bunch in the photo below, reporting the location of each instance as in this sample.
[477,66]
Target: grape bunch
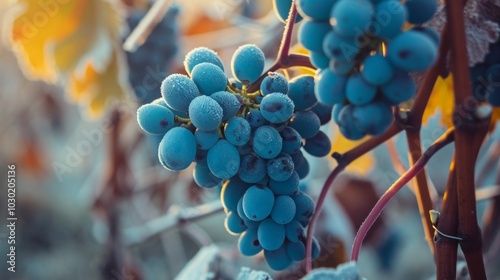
[364,57]
[250,143]
[485,77]
[148,64]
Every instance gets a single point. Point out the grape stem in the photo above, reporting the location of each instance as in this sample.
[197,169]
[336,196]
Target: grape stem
[444,140]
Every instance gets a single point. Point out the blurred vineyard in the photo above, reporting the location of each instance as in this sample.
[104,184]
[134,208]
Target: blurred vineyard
[93,201]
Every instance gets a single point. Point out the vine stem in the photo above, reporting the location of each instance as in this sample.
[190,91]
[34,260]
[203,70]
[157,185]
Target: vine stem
[444,140]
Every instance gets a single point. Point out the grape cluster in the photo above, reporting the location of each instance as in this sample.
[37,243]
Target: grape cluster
[364,56]
[248,142]
[148,64]
[485,77]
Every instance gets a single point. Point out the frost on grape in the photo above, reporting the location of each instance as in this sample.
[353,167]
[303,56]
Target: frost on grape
[346,271]
[481,28]
[248,274]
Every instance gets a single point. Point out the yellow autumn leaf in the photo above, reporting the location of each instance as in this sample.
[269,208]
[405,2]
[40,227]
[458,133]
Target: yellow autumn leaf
[340,144]
[75,43]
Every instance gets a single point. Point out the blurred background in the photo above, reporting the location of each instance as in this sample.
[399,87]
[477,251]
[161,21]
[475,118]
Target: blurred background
[94,203]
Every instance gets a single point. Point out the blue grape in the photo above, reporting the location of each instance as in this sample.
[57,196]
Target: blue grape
[223,159]
[296,251]
[420,11]
[359,91]
[329,87]
[323,111]
[278,259]
[347,124]
[248,243]
[319,145]
[430,32]
[232,191]
[305,208]
[277,107]
[311,34]
[295,231]
[319,59]
[292,141]
[204,178]
[205,113]
[349,17]
[252,168]
[336,112]
[341,67]
[339,48]
[271,234]
[274,82]
[206,139]
[249,223]
[390,17]
[280,168]
[285,187]
[247,63]
[377,70]
[178,91]
[301,91]
[258,201]
[412,51]
[400,88]
[283,210]
[234,224]
[237,131]
[200,55]
[175,140]
[306,123]
[282,8]
[318,10]
[160,101]
[255,118]
[201,157]
[209,78]
[301,165]
[155,119]
[373,118]
[228,102]
[267,142]
[315,250]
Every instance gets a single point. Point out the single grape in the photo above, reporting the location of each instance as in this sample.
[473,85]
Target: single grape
[282,8]
[305,208]
[295,231]
[319,145]
[278,259]
[390,17]
[319,59]
[237,131]
[311,34]
[248,243]
[292,141]
[306,123]
[255,118]
[228,102]
[336,112]
[178,91]
[373,118]
[271,234]
[329,87]
[412,51]
[274,82]
[377,70]
[280,168]
[252,168]
[400,88]
[350,17]
[223,159]
[301,165]
[175,140]
[301,91]
[318,10]
[249,223]
[155,119]
[338,47]
[359,91]
[209,78]
[204,178]
[267,142]
[160,101]
[277,107]
[347,124]
[232,191]
[430,32]
[284,210]
[420,11]
[258,201]
[247,63]
[323,111]
[296,251]
[234,224]
[206,139]
[205,113]
[200,55]
[285,187]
